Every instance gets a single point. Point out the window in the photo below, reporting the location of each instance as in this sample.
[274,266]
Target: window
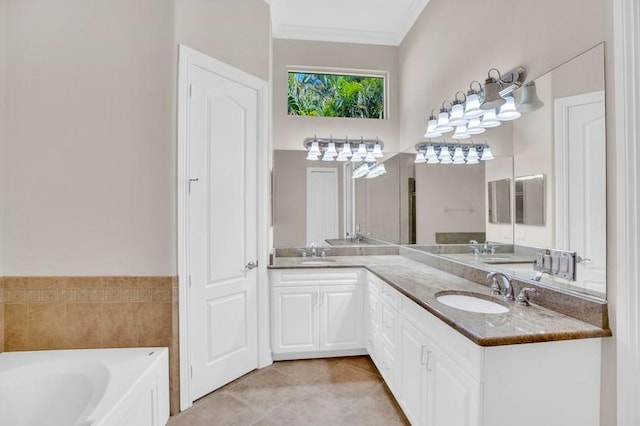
[336,95]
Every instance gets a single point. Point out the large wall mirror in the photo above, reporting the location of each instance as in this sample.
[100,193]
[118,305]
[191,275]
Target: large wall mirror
[558,149]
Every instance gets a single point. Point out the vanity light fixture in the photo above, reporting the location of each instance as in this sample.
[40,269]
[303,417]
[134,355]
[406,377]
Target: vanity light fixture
[369,150]
[508,111]
[475,126]
[461,132]
[529,100]
[452,153]
[492,98]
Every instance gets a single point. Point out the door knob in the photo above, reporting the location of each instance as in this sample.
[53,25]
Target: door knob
[251,265]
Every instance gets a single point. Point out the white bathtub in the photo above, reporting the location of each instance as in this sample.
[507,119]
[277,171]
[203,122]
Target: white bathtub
[98,387]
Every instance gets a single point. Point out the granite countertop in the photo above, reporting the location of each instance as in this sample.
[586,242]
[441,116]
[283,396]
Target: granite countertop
[420,283]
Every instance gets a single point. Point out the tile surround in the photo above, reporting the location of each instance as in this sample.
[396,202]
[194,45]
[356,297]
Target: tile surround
[38,313]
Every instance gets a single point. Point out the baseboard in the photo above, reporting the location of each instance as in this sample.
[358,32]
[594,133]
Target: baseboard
[319,354]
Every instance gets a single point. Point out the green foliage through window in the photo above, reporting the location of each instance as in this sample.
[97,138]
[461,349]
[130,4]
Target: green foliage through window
[336,95]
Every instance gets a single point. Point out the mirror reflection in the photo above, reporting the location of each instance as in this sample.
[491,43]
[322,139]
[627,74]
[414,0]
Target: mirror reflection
[530,200]
[558,146]
[499,194]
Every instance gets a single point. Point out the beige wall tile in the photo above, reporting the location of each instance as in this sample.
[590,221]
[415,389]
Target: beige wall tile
[15,282]
[119,325]
[120,282]
[155,324]
[46,325]
[15,327]
[42,283]
[82,329]
[84,282]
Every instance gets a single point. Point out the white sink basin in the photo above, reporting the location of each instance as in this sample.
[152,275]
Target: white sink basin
[471,302]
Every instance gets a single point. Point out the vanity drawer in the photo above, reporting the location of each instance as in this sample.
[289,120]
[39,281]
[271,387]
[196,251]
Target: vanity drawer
[390,296]
[375,283]
[328,276]
[389,325]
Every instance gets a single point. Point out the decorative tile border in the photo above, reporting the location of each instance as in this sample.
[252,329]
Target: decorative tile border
[19,290]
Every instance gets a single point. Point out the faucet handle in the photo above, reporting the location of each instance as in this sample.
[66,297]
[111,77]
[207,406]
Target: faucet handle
[523,296]
[324,251]
[303,252]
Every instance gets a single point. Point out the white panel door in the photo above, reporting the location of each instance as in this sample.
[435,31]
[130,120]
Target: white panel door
[322,205]
[341,317]
[582,184]
[295,319]
[223,118]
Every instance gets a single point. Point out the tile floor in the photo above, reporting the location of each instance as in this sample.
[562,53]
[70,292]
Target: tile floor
[332,391]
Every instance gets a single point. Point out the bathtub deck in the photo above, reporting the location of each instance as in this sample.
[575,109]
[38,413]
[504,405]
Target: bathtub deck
[317,391]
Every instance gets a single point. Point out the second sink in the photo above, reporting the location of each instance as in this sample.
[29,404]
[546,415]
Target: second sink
[471,302]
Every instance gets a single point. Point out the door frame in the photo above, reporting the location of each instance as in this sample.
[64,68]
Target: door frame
[187,58]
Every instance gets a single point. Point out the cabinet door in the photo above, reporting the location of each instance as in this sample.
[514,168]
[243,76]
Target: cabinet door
[295,319]
[341,317]
[453,396]
[412,372]
[372,324]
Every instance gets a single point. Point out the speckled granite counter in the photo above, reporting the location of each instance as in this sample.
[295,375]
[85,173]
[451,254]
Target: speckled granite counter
[420,283]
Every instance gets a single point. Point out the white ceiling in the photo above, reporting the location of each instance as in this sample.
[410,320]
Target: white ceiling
[383,22]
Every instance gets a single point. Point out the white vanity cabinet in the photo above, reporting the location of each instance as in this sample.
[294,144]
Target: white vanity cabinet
[317,312]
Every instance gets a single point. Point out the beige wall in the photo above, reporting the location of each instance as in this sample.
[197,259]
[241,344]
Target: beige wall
[445,50]
[290,131]
[3,28]
[290,197]
[449,198]
[232,31]
[90,147]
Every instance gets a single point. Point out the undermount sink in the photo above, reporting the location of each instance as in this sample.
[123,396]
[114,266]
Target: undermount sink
[471,302]
[317,261]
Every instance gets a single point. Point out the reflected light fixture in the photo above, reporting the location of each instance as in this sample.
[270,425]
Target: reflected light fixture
[529,100]
[486,154]
[452,153]
[508,111]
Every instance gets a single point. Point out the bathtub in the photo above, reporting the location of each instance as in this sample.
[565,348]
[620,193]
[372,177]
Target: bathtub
[97,387]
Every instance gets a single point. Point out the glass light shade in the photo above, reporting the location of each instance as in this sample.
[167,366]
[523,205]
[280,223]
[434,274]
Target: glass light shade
[456,118]
[461,133]
[370,158]
[472,107]
[475,126]
[458,161]
[492,98]
[420,158]
[431,129]
[458,154]
[360,171]
[444,154]
[443,123]
[342,157]
[331,149]
[315,149]
[489,119]
[355,158]
[529,100]
[486,154]
[312,157]
[377,151]
[346,149]
[446,160]
[472,154]
[432,160]
[472,160]
[362,150]
[431,153]
[327,156]
[508,111]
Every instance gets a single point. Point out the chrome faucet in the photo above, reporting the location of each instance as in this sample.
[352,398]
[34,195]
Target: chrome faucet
[473,245]
[489,248]
[501,284]
[313,249]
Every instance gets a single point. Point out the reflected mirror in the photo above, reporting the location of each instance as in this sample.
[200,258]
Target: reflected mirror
[530,200]
[499,205]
